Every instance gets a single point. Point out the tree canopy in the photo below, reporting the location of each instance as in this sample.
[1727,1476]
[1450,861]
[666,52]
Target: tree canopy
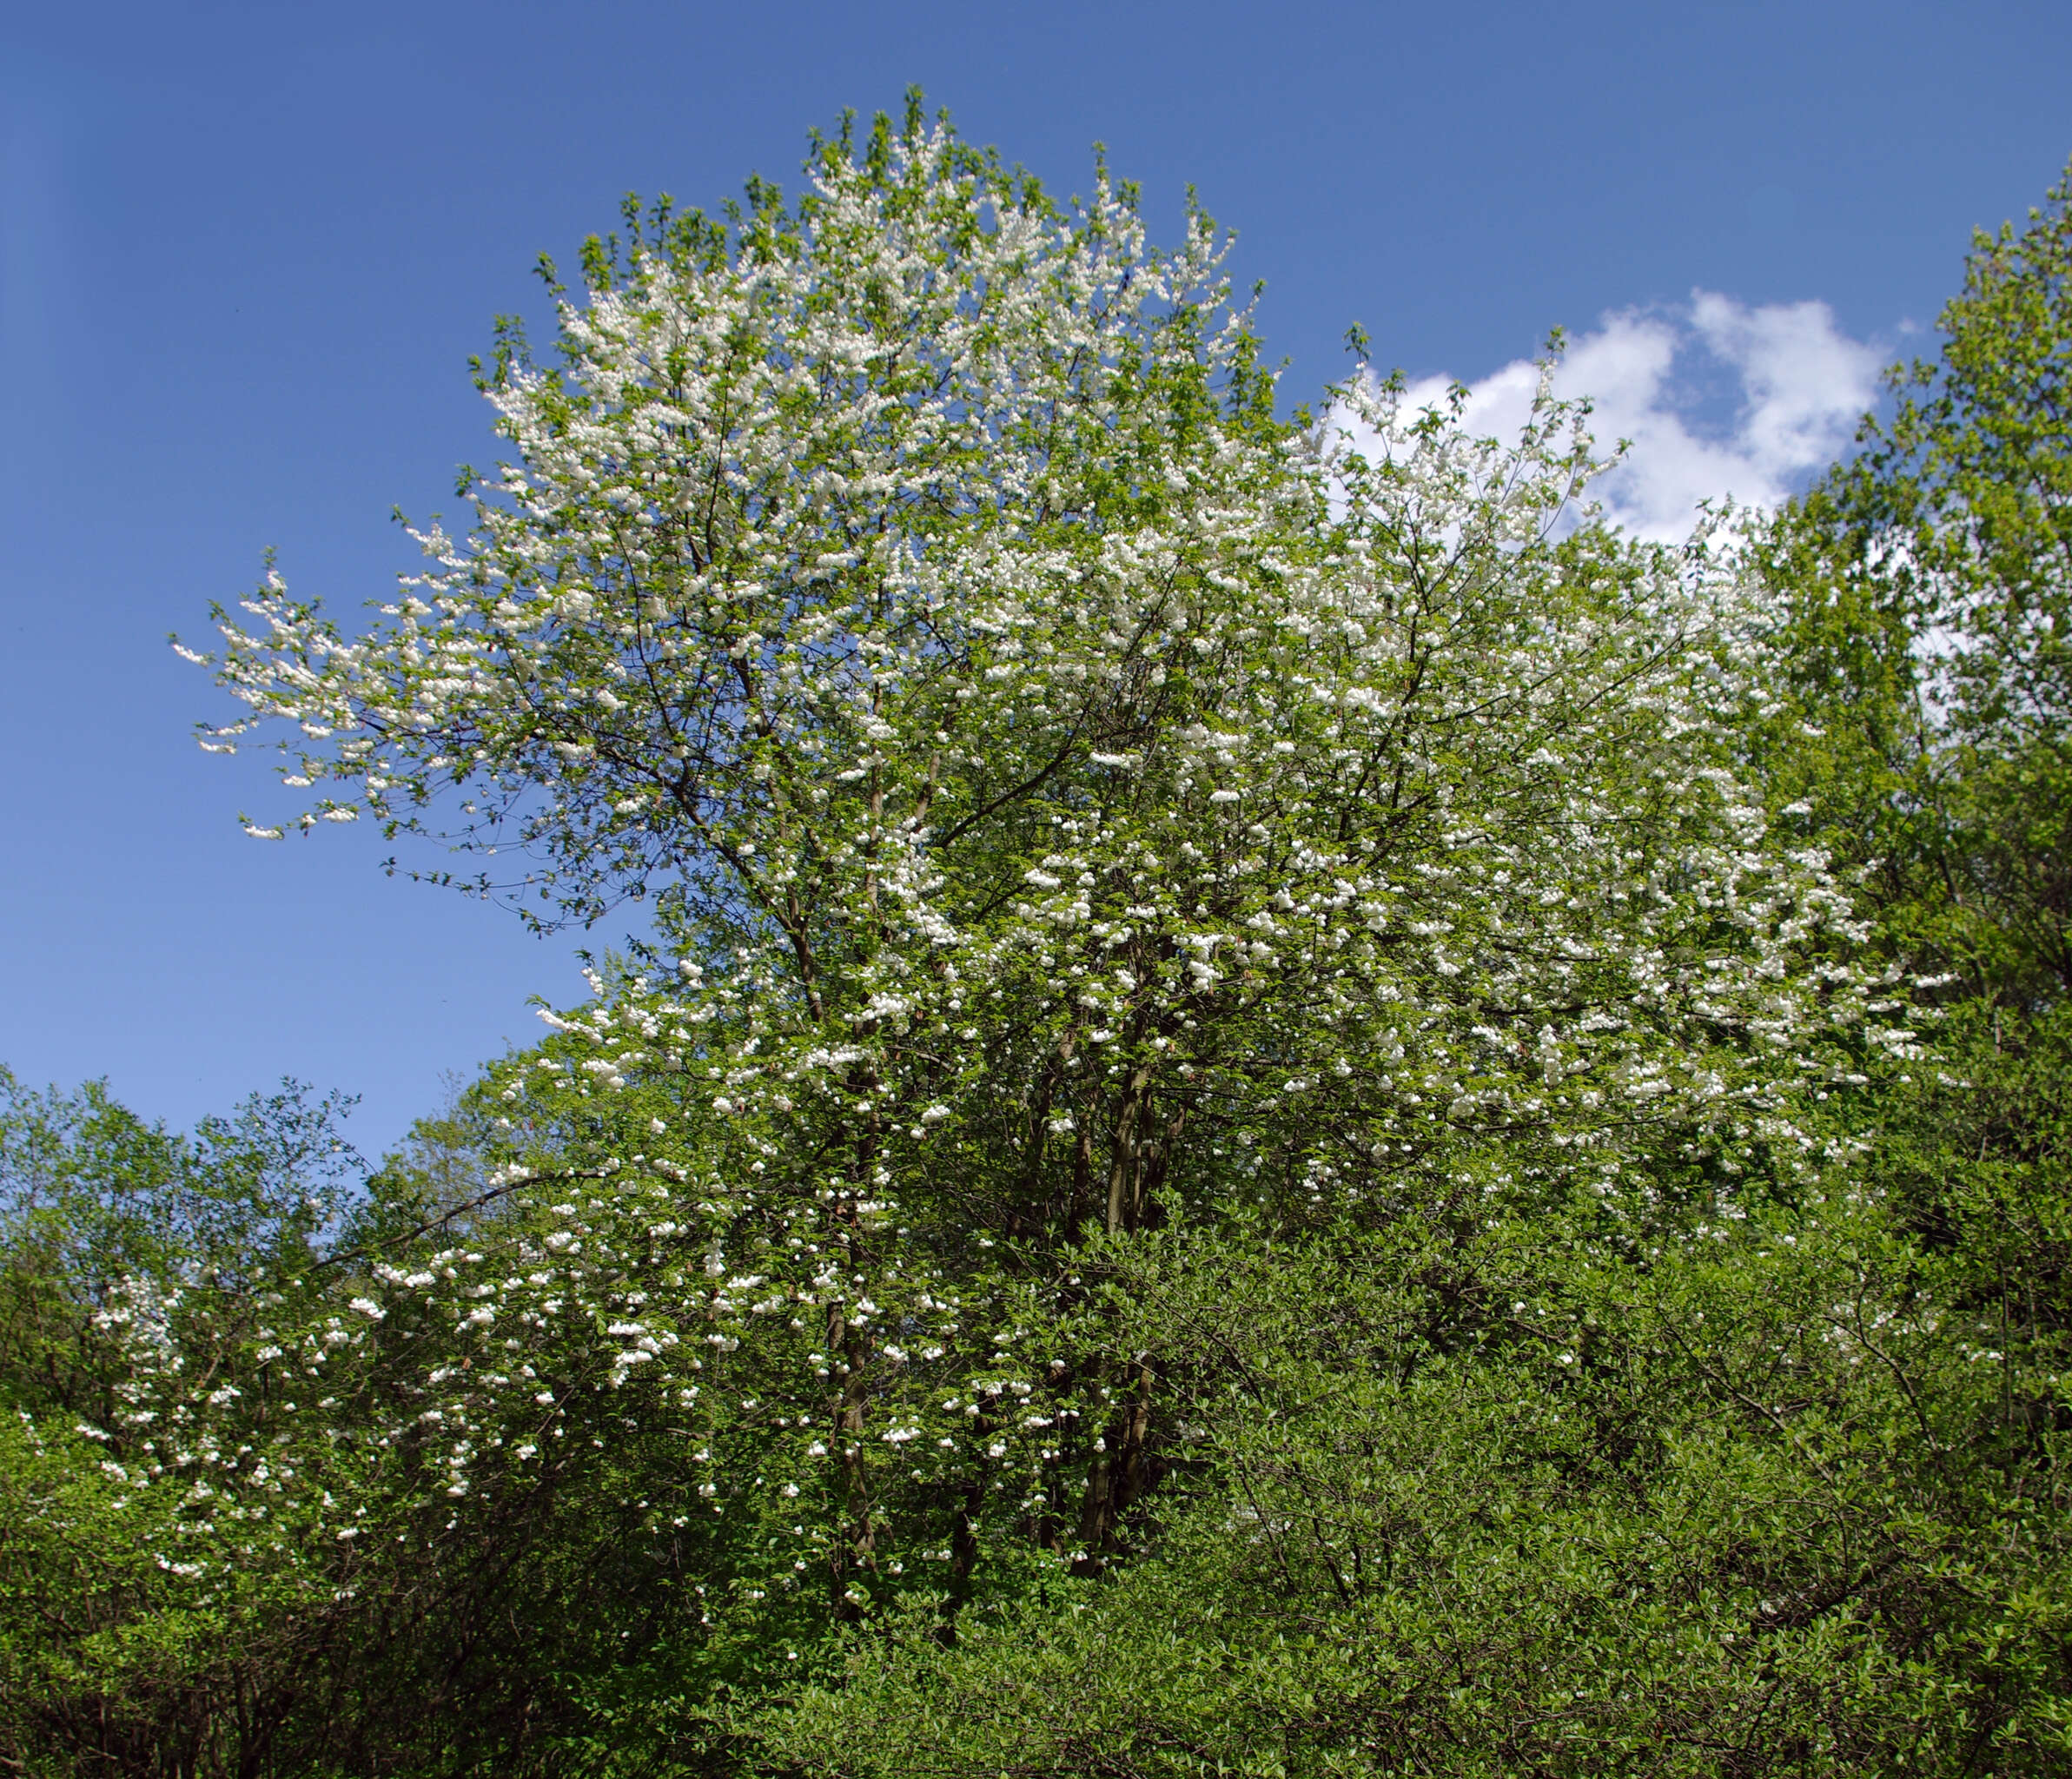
[1292,1111]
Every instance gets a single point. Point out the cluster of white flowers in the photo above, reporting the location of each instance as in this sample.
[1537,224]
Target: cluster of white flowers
[1084,802]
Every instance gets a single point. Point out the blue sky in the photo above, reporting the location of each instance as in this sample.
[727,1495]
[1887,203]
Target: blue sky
[246,251]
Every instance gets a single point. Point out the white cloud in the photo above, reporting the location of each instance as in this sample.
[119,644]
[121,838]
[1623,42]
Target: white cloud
[1716,398]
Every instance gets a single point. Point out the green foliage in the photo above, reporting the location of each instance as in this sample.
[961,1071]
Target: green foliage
[91,1196]
[1482,1497]
[1298,1121]
[119,1240]
[1929,584]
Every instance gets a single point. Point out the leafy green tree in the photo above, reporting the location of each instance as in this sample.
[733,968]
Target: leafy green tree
[1923,586]
[91,1196]
[1928,582]
[139,1270]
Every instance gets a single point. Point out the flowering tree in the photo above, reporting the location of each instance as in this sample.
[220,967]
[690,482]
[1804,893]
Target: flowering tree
[1085,807]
